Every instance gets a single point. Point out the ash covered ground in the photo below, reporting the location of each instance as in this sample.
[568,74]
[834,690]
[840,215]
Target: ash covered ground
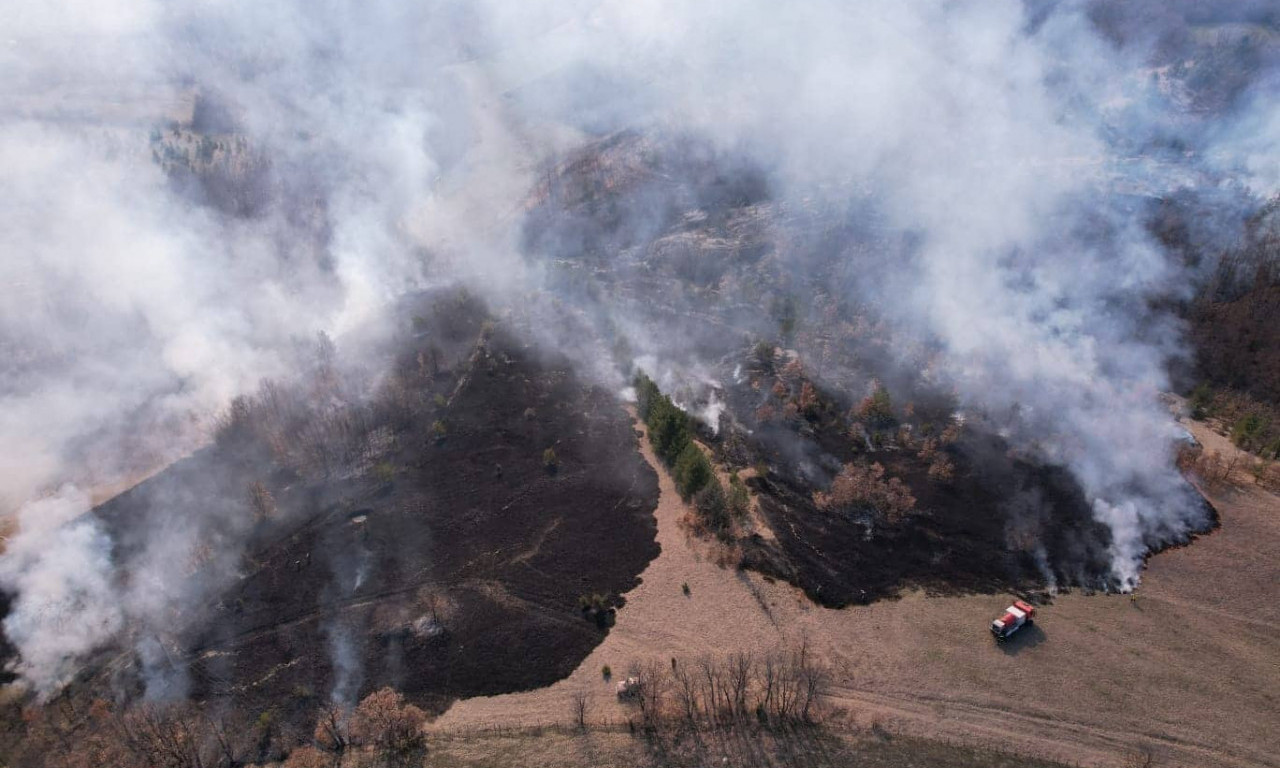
[443,555]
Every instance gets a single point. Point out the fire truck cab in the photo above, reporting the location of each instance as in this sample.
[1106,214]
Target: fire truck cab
[1015,617]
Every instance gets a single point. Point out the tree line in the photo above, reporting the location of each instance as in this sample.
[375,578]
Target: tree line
[671,433]
[382,731]
[784,686]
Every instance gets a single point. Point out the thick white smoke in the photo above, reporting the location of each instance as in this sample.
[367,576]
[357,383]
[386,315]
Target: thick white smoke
[401,137]
[60,569]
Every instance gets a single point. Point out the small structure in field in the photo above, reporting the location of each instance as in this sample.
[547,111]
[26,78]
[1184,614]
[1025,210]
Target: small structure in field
[629,688]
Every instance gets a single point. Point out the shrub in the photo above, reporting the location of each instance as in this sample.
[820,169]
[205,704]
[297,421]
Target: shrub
[440,400]
[595,607]
[606,672]
[692,471]
[550,461]
[763,355]
[439,430]
[1201,401]
[712,506]
[808,402]
[685,588]
[942,469]
[739,497]
[266,718]
[786,312]
[384,472]
[1246,431]
[876,410]
[1255,425]
[593,602]
[668,430]
[646,395]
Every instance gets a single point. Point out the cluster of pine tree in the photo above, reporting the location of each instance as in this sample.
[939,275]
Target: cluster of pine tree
[671,434]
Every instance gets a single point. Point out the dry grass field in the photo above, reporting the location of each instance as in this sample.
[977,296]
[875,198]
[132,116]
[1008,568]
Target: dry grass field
[1187,670]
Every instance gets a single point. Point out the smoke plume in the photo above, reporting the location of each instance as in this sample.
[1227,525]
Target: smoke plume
[194,187]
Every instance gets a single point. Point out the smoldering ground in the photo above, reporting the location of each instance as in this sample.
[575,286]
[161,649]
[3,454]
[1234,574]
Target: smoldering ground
[390,147]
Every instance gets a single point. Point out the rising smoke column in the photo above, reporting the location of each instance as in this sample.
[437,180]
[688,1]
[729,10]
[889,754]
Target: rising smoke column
[132,307]
[411,129]
[1000,142]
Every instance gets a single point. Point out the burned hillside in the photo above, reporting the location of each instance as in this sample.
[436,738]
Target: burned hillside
[743,309]
[438,537]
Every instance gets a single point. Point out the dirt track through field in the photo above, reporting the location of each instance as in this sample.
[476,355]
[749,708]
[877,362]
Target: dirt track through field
[1188,669]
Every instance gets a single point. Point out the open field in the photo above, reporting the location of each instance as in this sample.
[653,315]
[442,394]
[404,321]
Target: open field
[610,747]
[1186,669]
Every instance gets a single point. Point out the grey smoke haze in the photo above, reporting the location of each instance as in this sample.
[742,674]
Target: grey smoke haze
[402,137]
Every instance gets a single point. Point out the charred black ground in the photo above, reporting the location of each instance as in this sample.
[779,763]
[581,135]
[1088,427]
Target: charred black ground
[452,566]
[716,269]
[434,521]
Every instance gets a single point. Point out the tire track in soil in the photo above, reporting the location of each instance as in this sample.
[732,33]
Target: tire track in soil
[1034,732]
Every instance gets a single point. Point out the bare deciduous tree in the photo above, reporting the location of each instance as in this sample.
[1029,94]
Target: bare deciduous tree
[261,501]
[782,686]
[578,707]
[685,685]
[739,667]
[333,729]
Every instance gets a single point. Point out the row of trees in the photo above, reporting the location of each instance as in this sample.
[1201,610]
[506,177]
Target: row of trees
[311,436]
[382,731]
[671,434]
[384,726]
[784,686]
[316,425]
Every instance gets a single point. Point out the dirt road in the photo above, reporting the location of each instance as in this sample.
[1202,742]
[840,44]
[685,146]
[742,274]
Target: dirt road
[1188,669]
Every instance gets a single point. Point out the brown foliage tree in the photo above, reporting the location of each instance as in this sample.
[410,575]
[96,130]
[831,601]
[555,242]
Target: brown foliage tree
[164,738]
[942,469]
[310,757]
[808,400]
[391,726]
[864,487]
[876,410]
